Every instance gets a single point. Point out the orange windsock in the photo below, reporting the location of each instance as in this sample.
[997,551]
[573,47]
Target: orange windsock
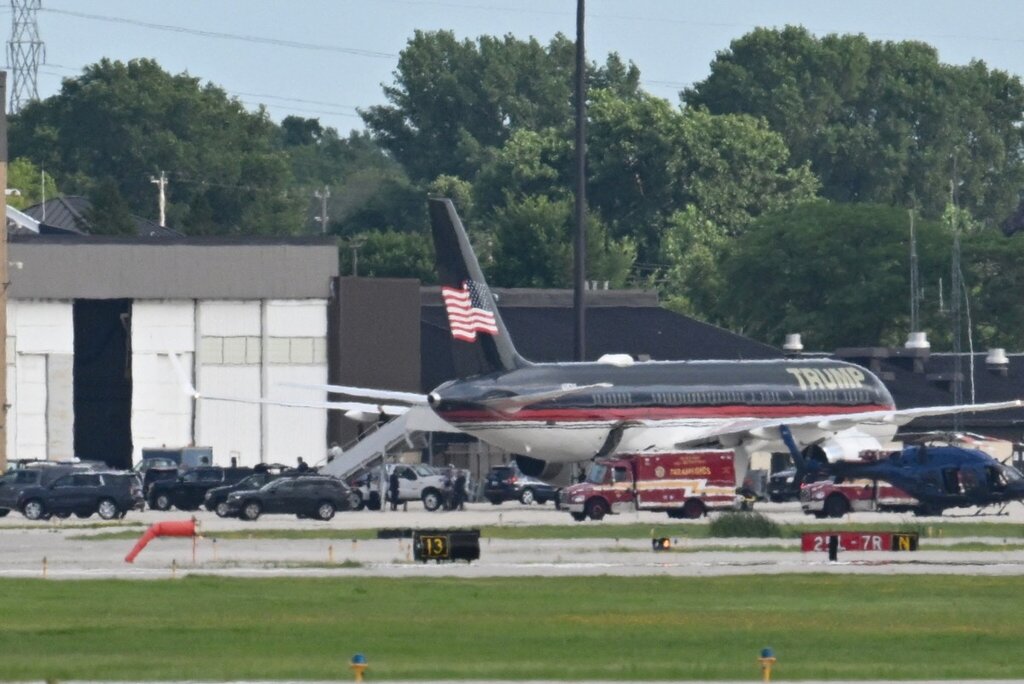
[169,528]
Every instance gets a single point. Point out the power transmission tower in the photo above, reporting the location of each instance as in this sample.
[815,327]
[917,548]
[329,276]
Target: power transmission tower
[24,52]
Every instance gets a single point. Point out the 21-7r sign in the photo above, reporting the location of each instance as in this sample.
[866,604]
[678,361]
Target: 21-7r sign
[859,541]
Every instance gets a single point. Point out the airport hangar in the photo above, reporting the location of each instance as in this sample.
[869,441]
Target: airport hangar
[91,320]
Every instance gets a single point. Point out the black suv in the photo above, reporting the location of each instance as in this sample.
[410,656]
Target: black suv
[309,496]
[188,491]
[216,499]
[111,494]
[13,482]
[507,483]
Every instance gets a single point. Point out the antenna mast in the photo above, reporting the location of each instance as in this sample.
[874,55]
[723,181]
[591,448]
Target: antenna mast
[915,288]
[955,294]
[24,52]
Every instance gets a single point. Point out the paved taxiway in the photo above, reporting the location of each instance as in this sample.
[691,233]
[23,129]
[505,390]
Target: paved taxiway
[71,554]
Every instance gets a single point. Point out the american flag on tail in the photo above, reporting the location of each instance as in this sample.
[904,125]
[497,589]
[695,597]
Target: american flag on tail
[469,311]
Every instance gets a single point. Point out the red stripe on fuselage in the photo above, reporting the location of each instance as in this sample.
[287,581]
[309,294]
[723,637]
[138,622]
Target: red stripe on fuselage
[592,414]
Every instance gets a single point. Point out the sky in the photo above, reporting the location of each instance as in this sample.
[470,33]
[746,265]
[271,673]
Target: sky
[326,58]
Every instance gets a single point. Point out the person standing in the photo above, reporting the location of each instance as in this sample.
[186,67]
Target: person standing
[334,452]
[393,485]
[459,493]
[303,466]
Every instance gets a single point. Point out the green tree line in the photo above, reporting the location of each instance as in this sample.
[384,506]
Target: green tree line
[775,196]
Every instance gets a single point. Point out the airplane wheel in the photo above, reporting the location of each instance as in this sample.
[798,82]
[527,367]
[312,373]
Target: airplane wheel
[836,506]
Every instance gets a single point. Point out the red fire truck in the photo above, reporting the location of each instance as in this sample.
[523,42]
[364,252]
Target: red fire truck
[684,484]
[834,498]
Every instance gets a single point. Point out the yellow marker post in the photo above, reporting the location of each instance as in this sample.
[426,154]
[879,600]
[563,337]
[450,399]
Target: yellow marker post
[767,659]
[358,666]
[44,567]
[330,553]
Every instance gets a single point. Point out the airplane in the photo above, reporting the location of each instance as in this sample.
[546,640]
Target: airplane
[938,476]
[550,414]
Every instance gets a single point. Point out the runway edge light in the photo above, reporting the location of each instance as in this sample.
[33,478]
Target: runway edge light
[358,666]
[661,544]
[767,659]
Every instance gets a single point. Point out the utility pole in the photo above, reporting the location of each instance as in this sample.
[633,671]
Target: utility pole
[4,282]
[580,250]
[354,245]
[322,218]
[161,183]
[24,52]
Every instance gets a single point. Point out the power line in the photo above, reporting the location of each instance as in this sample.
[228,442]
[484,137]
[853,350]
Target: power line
[224,36]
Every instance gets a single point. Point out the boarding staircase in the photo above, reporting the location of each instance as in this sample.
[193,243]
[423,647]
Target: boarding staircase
[373,445]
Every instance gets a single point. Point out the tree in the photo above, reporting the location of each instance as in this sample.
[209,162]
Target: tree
[390,255]
[108,213]
[649,161]
[838,274]
[878,121]
[31,183]
[453,101]
[533,245]
[127,122]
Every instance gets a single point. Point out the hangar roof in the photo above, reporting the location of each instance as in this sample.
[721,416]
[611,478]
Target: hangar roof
[101,267]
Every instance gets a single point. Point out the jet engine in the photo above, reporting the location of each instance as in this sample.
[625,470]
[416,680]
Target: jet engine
[842,446]
[534,467]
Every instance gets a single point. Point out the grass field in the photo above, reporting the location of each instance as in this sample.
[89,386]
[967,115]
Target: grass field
[897,627]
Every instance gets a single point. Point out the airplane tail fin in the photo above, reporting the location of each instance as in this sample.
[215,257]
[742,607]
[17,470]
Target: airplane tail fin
[481,343]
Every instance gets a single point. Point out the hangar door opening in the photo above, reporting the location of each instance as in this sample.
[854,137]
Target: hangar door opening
[103,380]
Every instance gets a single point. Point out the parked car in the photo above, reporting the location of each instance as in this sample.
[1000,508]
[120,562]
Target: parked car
[111,494]
[416,482]
[507,483]
[34,474]
[187,491]
[216,499]
[307,496]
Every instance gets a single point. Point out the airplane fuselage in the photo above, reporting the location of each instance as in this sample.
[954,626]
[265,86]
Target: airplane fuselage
[655,403]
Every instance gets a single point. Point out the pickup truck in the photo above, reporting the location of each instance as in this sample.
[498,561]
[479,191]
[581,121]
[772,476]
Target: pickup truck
[416,482]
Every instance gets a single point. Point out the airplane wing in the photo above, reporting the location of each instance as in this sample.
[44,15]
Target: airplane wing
[760,429]
[517,402]
[385,395]
[347,406]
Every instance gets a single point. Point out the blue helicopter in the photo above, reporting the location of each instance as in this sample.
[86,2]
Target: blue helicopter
[938,476]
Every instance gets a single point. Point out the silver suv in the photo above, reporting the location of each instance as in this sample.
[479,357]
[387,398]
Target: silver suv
[416,482]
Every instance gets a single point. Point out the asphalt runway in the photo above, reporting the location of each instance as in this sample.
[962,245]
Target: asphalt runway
[69,552]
